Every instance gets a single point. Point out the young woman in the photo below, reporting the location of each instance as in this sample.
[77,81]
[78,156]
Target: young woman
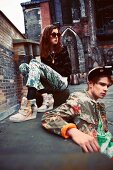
[55,67]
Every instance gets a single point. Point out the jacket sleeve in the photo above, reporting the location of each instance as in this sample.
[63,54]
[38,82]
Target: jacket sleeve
[58,120]
[65,67]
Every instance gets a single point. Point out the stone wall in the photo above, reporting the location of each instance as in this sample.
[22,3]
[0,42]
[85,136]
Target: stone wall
[37,16]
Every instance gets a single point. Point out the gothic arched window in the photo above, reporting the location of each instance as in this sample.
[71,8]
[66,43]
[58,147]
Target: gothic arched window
[75,11]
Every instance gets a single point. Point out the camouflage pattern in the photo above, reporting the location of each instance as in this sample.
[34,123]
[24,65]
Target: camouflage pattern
[36,69]
[79,109]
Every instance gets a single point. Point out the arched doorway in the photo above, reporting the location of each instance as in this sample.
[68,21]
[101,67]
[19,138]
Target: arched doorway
[75,49]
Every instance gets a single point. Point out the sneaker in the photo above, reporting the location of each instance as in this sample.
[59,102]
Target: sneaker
[25,113]
[64,79]
[48,102]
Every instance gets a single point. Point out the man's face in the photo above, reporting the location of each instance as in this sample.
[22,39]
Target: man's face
[99,89]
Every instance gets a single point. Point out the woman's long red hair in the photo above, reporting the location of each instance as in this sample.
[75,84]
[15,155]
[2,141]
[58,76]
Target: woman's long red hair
[45,45]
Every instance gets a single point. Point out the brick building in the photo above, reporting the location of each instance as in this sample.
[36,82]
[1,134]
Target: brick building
[14,49]
[86,26]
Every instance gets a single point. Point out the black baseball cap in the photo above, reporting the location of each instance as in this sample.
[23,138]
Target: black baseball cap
[99,71]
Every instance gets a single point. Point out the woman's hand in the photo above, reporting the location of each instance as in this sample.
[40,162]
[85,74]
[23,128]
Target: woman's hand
[86,142]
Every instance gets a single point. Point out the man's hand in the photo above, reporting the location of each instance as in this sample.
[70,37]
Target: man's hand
[86,142]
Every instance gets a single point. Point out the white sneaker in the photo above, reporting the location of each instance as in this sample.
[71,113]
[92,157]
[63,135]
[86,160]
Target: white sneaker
[26,112]
[48,102]
[64,79]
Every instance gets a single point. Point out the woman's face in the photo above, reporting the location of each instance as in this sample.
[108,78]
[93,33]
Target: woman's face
[54,37]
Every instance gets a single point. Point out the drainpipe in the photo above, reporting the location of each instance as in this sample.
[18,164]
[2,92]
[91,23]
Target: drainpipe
[92,25]
[92,32]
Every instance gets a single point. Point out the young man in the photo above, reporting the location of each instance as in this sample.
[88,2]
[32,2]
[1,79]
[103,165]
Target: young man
[88,116]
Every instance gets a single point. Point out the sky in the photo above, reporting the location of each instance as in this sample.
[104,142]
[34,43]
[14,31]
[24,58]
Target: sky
[14,12]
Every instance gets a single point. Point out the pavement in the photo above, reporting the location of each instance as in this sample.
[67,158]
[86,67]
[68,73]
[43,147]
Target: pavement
[28,146]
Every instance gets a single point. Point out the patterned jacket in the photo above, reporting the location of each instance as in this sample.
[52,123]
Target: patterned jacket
[78,111]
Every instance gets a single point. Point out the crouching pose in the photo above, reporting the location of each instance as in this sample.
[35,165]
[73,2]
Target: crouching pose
[55,66]
[34,71]
[83,118]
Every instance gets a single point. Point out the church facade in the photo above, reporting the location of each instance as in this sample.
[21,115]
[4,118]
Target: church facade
[86,27]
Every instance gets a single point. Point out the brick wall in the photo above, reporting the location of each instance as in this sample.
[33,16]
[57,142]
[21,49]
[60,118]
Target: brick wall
[45,14]
[8,32]
[10,82]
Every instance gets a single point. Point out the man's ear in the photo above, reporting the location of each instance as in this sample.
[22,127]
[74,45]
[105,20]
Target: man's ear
[90,83]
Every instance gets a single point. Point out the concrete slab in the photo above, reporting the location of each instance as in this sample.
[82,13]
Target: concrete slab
[29,141]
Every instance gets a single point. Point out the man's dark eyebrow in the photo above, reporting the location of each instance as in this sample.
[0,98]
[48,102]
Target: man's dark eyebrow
[103,84]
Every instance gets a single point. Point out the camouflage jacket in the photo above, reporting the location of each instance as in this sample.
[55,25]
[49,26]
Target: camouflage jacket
[79,109]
